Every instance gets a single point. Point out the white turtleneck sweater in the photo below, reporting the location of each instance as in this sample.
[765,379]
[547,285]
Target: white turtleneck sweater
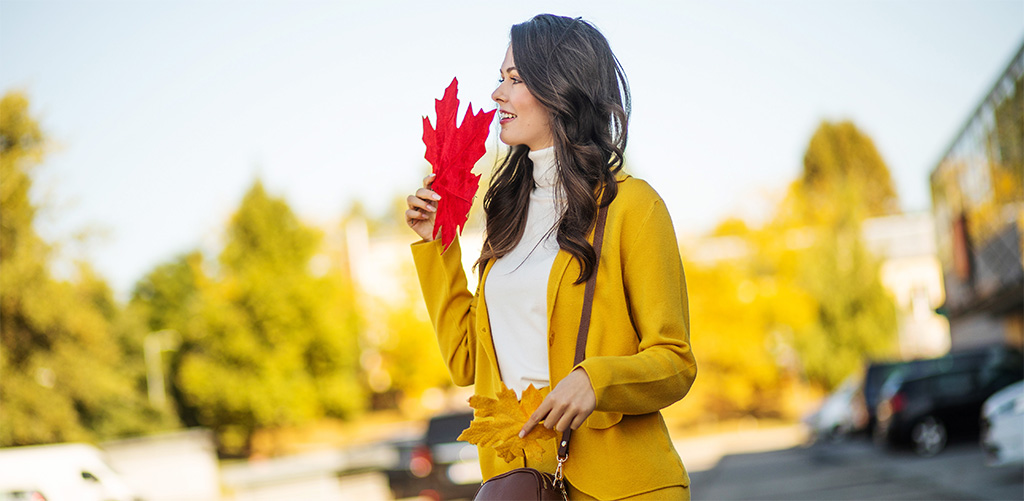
[516,286]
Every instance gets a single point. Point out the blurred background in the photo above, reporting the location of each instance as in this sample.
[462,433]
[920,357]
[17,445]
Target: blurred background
[206,290]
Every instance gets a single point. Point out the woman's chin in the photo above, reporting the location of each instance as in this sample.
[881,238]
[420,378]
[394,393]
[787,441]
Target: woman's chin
[508,141]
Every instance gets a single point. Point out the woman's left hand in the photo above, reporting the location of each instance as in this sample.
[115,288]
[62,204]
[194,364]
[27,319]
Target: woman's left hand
[567,406]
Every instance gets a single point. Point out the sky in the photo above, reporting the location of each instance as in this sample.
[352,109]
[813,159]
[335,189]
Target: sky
[163,114]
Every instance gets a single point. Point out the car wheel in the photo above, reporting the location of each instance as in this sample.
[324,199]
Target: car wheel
[836,434]
[928,436]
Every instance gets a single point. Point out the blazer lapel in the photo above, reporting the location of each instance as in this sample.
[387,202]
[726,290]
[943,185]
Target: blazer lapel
[483,319]
[558,268]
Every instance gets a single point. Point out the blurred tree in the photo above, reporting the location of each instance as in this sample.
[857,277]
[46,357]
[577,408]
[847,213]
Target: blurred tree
[168,298]
[731,226]
[844,181]
[409,352]
[855,317]
[267,341]
[65,375]
[841,160]
[738,372]
[399,354]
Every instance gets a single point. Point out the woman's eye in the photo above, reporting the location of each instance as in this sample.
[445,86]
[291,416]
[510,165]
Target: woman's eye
[516,80]
[501,80]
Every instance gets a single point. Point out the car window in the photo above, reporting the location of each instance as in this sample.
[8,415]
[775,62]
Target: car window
[891,384]
[992,380]
[447,428]
[876,377]
[954,384]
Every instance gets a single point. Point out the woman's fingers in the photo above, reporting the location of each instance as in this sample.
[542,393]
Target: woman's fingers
[417,202]
[578,421]
[567,406]
[555,415]
[427,194]
[422,208]
[538,415]
[415,214]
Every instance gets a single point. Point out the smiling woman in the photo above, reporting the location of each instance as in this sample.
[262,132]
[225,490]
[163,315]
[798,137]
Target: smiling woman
[523,119]
[563,108]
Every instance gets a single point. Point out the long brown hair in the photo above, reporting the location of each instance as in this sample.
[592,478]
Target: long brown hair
[569,67]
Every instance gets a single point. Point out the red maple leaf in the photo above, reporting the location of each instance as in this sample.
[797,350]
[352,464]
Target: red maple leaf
[452,151]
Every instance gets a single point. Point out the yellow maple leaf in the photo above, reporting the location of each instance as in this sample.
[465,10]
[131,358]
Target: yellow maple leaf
[497,421]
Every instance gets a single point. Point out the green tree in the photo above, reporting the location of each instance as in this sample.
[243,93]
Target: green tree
[168,296]
[844,181]
[65,375]
[841,163]
[265,341]
[855,317]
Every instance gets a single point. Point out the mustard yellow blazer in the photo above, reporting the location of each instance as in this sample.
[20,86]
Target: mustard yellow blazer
[638,351]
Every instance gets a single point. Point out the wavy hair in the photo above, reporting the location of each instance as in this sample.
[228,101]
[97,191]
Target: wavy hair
[569,68]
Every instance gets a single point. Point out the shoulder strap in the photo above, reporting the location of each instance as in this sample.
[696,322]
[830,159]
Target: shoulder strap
[588,292]
[588,306]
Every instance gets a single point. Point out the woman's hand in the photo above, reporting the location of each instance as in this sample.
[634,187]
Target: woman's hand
[567,406]
[422,210]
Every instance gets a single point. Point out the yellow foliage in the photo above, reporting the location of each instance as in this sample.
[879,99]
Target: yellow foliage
[497,422]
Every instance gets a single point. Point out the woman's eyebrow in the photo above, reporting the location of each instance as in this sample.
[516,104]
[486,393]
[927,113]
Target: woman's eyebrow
[510,69]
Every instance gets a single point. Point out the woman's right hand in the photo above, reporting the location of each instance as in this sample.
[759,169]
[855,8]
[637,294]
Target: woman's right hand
[422,210]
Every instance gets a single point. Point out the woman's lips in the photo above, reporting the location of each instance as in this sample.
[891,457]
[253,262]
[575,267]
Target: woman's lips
[505,117]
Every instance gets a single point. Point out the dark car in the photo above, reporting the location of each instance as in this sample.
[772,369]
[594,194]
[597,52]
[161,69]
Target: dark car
[874,377]
[437,465]
[935,402]
[878,373]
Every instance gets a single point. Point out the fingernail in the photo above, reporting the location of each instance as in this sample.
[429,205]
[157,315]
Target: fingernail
[521,434]
[435,196]
[432,174]
[431,208]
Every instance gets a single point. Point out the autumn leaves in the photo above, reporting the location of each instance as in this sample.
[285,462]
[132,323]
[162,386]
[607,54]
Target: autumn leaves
[452,151]
[496,424]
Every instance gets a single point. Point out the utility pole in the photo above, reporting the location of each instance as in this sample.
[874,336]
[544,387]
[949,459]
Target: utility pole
[155,344]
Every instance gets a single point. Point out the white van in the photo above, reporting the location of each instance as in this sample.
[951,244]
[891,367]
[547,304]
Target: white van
[60,472]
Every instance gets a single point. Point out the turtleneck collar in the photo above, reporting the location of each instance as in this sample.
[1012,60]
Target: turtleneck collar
[545,175]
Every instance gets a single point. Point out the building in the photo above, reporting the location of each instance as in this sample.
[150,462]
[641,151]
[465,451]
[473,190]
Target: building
[911,272]
[978,203]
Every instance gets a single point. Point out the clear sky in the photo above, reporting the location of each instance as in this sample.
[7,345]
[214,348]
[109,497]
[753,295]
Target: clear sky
[166,112]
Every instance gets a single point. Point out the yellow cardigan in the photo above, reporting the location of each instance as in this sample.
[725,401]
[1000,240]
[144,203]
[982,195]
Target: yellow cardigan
[638,352]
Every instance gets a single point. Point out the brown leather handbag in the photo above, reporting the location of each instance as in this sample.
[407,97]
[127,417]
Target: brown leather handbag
[522,484]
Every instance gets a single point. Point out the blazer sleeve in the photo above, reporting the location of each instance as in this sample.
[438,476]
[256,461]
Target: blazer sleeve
[664,368]
[451,306]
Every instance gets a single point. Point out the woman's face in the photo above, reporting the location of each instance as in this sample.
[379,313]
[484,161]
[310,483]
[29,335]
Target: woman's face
[523,119]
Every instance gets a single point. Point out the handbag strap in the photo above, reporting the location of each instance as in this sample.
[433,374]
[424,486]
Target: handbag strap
[588,306]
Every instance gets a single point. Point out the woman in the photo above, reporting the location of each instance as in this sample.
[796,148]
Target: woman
[563,106]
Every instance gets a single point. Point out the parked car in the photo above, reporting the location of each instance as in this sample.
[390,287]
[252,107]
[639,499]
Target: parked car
[840,414]
[879,372]
[437,465]
[874,377]
[60,472]
[927,410]
[1002,426]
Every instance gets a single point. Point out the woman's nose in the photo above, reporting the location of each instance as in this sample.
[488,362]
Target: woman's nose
[498,95]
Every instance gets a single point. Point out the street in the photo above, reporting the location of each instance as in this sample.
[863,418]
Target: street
[855,469]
